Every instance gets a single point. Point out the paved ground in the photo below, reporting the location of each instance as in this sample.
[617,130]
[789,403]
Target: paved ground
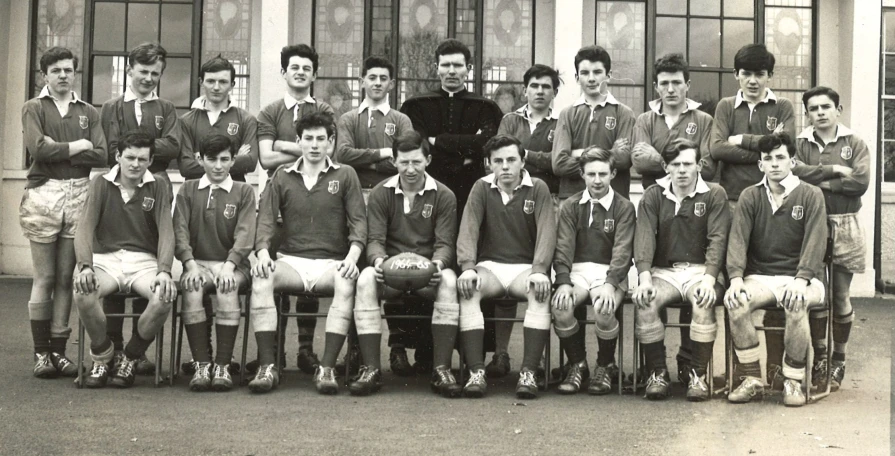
[52,417]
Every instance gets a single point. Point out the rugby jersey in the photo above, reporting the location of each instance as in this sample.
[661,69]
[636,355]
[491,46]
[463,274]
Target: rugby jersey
[40,118]
[276,121]
[320,223]
[789,241]
[733,117]
[522,231]
[214,223]
[651,128]
[580,126]
[693,230]
[428,229]
[537,140]
[591,232]
[365,130]
[815,165]
[142,224]
[159,121]
[234,122]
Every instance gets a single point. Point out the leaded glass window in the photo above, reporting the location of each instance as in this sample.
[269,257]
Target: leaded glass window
[887,102]
[58,23]
[227,30]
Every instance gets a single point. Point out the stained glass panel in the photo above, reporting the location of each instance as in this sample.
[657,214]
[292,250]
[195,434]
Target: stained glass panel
[339,37]
[382,29]
[508,96]
[621,31]
[59,23]
[423,25]
[341,94]
[465,23]
[788,36]
[508,39]
[796,98]
[227,30]
[630,96]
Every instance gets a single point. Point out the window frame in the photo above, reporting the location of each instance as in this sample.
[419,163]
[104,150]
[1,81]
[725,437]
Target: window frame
[887,188]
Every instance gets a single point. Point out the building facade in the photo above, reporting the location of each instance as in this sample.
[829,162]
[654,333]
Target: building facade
[845,44]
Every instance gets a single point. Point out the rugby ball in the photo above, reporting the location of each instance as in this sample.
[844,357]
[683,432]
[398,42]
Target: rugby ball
[408,271]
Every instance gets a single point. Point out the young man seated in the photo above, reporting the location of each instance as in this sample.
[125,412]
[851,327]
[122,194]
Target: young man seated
[124,243]
[410,212]
[214,229]
[775,256]
[679,247]
[593,255]
[506,241]
[325,232]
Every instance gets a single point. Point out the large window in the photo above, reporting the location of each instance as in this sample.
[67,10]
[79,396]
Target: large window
[887,102]
[500,34]
[708,33]
[101,33]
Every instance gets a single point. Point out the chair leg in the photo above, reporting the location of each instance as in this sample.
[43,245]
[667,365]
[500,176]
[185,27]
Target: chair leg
[159,345]
[245,337]
[728,351]
[621,348]
[175,344]
[637,362]
[81,345]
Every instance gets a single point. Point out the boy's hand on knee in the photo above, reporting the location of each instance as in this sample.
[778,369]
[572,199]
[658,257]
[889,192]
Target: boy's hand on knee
[225,282]
[705,292]
[564,298]
[192,278]
[85,281]
[794,296]
[468,283]
[645,291]
[736,295]
[163,286]
[377,269]
[605,302]
[348,269]
[540,284]
[265,265]
[436,278]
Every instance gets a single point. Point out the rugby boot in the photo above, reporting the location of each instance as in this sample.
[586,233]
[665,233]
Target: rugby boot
[601,382]
[63,365]
[221,378]
[476,386]
[325,380]
[499,365]
[98,375]
[201,380]
[266,379]
[792,393]
[123,375]
[575,378]
[43,366]
[750,388]
[527,386]
[658,385]
[368,382]
[444,383]
[697,389]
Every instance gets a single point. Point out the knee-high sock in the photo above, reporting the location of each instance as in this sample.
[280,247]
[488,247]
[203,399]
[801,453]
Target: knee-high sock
[841,330]
[40,313]
[445,323]
[607,340]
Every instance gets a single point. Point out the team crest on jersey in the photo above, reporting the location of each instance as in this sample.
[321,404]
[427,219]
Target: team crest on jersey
[798,212]
[846,153]
[159,122]
[610,123]
[148,203]
[427,210]
[691,128]
[771,123]
[390,129]
[232,128]
[608,225]
[699,210]
[550,136]
[229,211]
[83,122]
[529,206]
[333,187]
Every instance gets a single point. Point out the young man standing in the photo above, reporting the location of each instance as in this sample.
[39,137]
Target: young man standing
[140,109]
[534,125]
[325,232]
[278,146]
[214,229]
[595,119]
[125,243]
[215,113]
[505,246]
[410,212]
[679,250]
[365,139]
[740,122]
[592,259]
[65,140]
[831,156]
[775,256]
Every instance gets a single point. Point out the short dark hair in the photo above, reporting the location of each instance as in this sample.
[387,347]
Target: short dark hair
[594,153]
[216,144]
[671,63]
[138,140]
[216,64]
[818,91]
[501,141]
[147,54]
[375,61]
[452,46]
[299,50]
[678,145]
[593,54]
[768,143]
[754,57]
[410,141]
[538,71]
[316,120]
[55,54]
